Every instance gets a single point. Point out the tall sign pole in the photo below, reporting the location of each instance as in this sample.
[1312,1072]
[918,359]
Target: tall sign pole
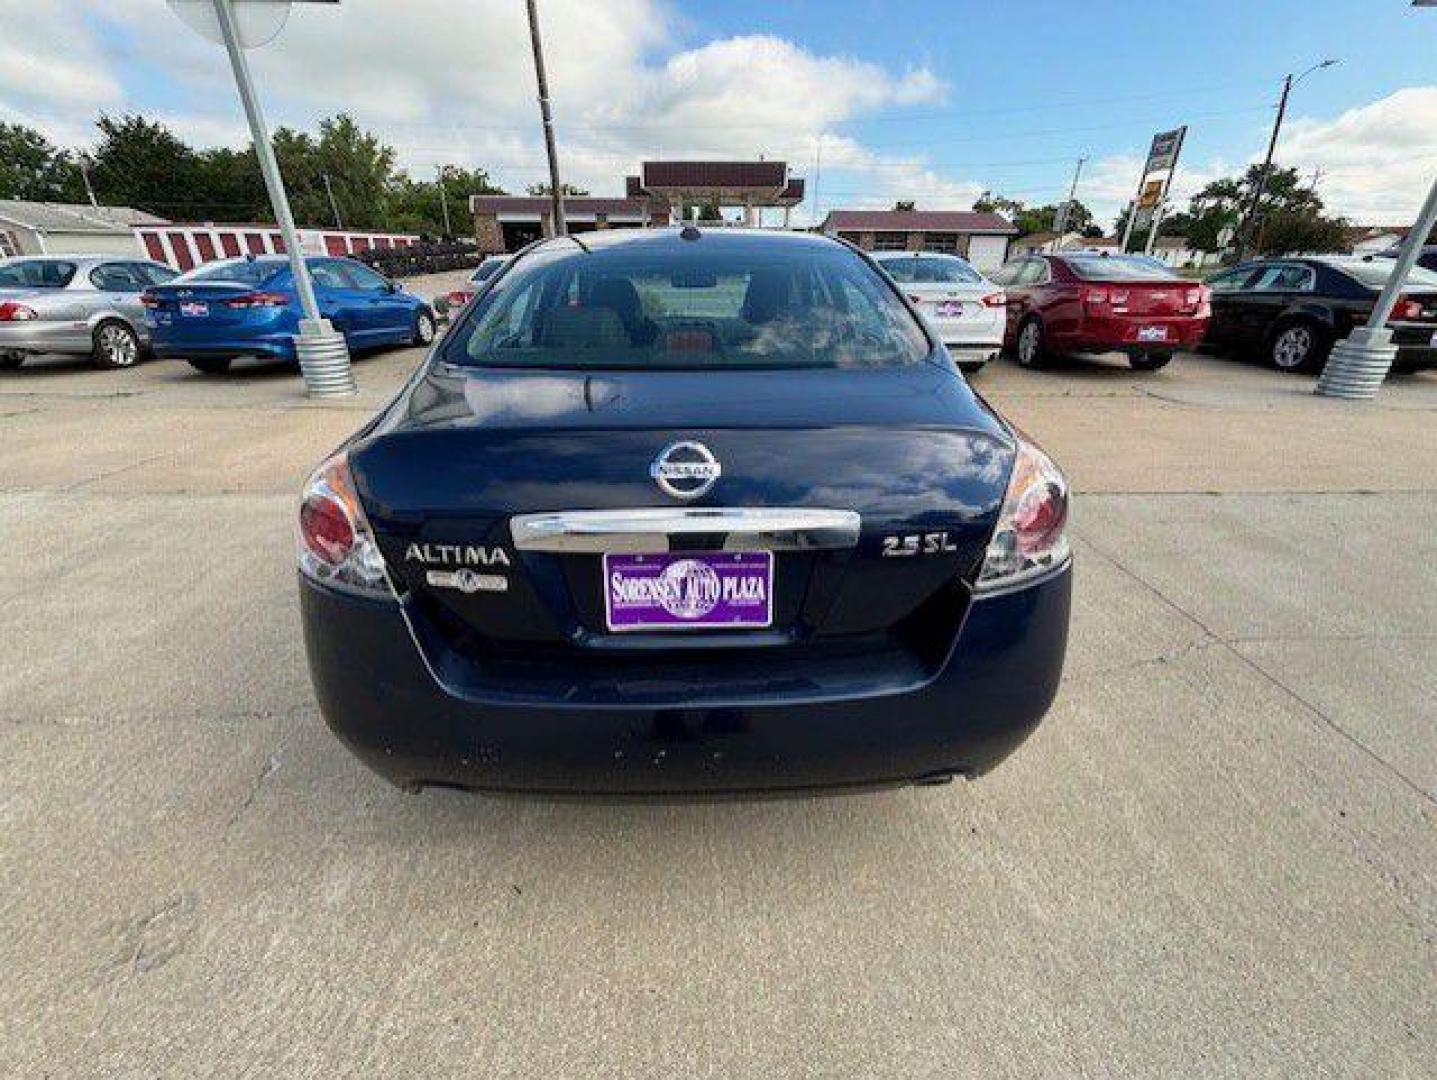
[1358,365]
[1161,209]
[1060,220]
[323,354]
[1162,157]
[561,227]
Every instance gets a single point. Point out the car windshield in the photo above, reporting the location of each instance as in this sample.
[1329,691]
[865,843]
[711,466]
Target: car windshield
[706,304]
[239,271]
[1375,274]
[37,274]
[1118,268]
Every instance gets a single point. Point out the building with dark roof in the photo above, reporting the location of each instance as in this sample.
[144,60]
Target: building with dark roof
[982,238]
[656,196]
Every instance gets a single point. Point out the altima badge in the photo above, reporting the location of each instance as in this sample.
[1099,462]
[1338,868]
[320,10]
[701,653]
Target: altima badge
[685,469]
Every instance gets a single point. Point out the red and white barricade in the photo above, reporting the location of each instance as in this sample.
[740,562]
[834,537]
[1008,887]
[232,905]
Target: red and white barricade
[186,246]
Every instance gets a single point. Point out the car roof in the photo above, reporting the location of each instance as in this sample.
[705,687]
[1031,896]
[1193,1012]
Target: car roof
[671,239]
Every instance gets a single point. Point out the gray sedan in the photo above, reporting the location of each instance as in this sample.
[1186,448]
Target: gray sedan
[83,305]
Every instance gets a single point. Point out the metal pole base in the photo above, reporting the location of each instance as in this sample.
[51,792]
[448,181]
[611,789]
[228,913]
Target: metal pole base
[1358,365]
[324,359]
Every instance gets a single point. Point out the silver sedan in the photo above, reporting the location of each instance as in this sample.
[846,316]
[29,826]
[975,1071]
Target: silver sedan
[83,305]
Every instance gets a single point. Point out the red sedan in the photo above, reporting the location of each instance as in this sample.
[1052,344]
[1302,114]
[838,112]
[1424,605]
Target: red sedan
[1082,303]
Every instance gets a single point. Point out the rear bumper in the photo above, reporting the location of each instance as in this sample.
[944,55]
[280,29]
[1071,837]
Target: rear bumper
[278,346]
[1132,334]
[1416,345]
[381,699]
[45,336]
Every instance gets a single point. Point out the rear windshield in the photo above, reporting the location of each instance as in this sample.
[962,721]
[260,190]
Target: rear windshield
[689,306]
[1118,268]
[240,271]
[485,270]
[931,269]
[1376,273]
[37,274]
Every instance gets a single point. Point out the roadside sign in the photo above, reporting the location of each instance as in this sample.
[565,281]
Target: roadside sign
[1165,149]
[1152,194]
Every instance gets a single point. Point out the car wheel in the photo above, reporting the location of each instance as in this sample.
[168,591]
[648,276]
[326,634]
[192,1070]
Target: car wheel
[1032,353]
[211,365]
[1149,361]
[1297,347]
[423,329]
[115,346]
[10,360]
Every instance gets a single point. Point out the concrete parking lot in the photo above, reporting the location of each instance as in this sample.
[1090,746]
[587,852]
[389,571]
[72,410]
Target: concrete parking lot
[1217,857]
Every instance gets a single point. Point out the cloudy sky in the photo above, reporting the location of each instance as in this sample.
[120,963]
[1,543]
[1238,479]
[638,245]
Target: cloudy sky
[872,101]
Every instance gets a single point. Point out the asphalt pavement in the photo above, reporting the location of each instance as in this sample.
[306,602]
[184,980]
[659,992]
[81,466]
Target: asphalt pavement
[1217,856]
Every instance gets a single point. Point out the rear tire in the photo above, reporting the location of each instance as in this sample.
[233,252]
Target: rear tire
[1298,347]
[1031,350]
[424,329]
[211,365]
[115,345]
[11,360]
[1150,361]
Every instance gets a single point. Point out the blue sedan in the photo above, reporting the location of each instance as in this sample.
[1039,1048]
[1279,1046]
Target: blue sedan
[677,511]
[249,307]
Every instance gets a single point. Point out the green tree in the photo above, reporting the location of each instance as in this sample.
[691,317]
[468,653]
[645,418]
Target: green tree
[143,164]
[416,204]
[1034,219]
[32,168]
[545,188]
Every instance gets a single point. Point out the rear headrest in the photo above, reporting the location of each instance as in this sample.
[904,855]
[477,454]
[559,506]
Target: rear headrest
[768,295]
[584,328]
[620,295]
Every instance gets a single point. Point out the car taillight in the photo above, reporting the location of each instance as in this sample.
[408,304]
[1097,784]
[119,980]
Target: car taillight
[1031,536]
[458,298]
[1408,309]
[995,299]
[1193,298]
[336,545]
[10,311]
[149,301]
[258,300]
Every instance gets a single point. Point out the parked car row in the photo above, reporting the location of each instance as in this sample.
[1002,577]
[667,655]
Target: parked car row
[113,309]
[449,304]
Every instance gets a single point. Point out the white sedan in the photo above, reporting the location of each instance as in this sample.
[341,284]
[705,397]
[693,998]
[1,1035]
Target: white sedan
[965,309]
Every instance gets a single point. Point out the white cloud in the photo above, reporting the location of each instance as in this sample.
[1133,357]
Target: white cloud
[1377,161]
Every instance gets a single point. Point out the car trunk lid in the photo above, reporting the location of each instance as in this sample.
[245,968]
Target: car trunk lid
[909,454]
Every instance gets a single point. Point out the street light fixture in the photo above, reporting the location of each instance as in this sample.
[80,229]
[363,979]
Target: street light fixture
[247,24]
[1250,218]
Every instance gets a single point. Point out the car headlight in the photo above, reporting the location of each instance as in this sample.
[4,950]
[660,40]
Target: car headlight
[336,545]
[1031,536]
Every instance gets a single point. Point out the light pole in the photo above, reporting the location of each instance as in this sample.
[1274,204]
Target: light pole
[1244,234]
[1060,219]
[561,227]
[323,354]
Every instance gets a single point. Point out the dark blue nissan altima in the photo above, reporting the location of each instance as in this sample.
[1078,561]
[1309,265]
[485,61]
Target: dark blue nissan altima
[681,511]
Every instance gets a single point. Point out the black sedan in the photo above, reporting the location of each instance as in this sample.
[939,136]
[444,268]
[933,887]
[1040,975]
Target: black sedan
[681,511]
[1291,311]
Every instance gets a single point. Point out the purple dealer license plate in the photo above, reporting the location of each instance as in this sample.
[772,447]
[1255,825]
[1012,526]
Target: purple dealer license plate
[689,590]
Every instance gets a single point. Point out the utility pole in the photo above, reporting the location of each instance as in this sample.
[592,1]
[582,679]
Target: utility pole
[444,200]
[84,161]
[561,227]
[1245,230]
[334,206]
[1061,221]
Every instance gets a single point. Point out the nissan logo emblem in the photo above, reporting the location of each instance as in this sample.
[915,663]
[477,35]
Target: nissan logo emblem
[685,469]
